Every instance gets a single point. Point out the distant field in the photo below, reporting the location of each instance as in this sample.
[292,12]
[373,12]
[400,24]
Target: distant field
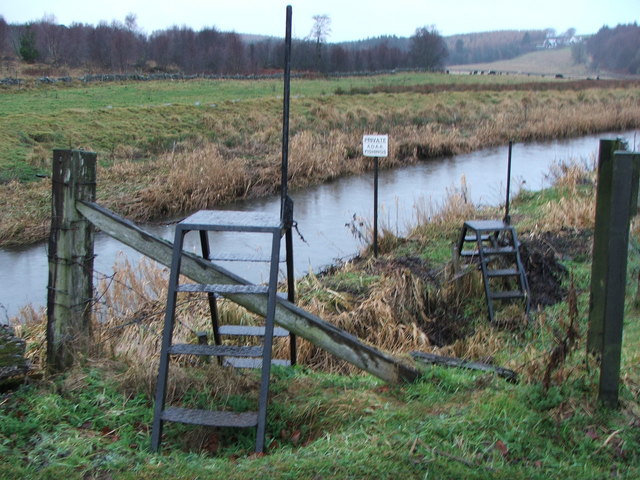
[543,62]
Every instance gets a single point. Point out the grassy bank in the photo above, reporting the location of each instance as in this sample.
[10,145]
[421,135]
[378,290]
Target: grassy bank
[327,421]
[163,145]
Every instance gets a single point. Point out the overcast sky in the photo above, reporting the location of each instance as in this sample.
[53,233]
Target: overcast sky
[350,19]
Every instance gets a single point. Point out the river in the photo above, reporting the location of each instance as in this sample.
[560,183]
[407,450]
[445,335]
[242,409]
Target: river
[324,212]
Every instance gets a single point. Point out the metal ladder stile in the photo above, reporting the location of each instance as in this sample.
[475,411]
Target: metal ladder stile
[493,239]
[205,221]
[227,221]
[220,331]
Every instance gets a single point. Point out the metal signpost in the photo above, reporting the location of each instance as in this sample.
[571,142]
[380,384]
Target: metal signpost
[376,146]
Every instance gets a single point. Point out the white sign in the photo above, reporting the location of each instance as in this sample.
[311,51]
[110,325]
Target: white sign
[375,145]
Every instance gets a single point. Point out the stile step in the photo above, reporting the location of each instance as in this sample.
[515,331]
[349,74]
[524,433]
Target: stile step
[232,221]
[487,225]
[232,257]
[507,295]
[250,331]
[473,238]
[210,418]
[215,350]
[238,362]
[499,251]
[507,272]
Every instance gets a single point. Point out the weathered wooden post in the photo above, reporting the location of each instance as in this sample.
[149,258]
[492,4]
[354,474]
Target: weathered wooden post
[615,204]
[600,261]
[70,287]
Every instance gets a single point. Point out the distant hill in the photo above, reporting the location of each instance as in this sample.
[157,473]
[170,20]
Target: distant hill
[492,46]
[468,47]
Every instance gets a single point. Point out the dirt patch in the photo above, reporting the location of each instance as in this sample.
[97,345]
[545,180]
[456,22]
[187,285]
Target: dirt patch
[565,244]
[541,255]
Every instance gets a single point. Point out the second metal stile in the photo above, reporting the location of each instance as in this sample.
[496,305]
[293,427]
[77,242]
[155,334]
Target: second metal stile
[496,241]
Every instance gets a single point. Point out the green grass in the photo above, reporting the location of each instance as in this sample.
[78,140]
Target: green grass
[451,424]
[46,99]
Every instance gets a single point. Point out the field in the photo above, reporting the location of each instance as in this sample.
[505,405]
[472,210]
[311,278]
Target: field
[327,420]
[166,148]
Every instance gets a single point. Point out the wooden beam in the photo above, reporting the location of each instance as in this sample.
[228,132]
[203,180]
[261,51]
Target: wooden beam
[433,359]
[298,321]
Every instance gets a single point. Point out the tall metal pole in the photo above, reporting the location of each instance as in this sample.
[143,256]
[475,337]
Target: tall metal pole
[375,207]
[285,111]
[507,218]
[284,210]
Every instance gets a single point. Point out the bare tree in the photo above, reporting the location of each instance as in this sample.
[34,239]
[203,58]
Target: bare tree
[51,36]
[428,48]
[4,34]
[319,34]
[125,46]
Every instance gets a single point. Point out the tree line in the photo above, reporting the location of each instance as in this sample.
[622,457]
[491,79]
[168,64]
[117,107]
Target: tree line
[614,49]
[121,47]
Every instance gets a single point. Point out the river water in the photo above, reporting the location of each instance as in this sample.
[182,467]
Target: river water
[325,213]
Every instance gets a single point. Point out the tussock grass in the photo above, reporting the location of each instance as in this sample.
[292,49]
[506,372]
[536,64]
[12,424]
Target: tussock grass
[570,205]
[25,208]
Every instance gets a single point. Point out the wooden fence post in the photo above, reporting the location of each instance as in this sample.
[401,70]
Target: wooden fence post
[70,287]
[615,204]
[600,260]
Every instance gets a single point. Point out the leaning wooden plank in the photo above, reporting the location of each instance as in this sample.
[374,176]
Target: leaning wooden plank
[298,321]
[433,359]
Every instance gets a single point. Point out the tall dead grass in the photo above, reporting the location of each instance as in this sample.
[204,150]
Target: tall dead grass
[391,317]
[574,205]
[26,211]
[200,177]
[454,209]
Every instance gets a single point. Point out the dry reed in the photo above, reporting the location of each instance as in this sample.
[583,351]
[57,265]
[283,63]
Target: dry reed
[575,207]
